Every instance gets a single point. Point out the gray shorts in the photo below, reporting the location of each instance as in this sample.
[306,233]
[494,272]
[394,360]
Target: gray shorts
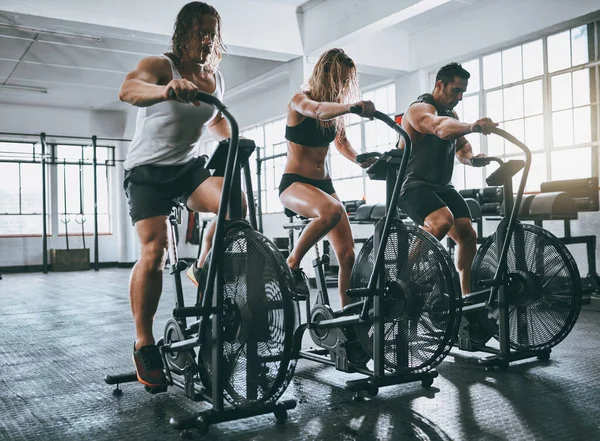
[152,190]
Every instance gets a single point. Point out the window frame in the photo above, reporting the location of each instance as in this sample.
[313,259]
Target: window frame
[547,115]
[52,164]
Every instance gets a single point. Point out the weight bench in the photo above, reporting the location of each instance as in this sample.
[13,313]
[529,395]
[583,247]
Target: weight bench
[584,197]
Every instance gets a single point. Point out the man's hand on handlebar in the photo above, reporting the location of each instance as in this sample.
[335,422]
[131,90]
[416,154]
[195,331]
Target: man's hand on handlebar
[365,160]
[368,108]
[181,90]
[367,163]
[480,160]
[483,126]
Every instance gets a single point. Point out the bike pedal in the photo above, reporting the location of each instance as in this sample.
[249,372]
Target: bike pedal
[155,390]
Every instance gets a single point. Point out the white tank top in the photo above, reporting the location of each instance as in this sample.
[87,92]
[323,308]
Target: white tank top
[167,133]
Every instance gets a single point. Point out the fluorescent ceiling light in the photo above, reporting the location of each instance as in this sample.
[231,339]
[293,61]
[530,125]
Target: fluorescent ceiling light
[43,31]
[27,88]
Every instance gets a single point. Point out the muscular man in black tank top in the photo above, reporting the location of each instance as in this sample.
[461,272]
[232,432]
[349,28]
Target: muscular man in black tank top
[428,197]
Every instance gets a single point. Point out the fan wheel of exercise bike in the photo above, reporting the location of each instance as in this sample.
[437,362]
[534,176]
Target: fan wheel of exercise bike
[421,303]
[258,321]
[544,291]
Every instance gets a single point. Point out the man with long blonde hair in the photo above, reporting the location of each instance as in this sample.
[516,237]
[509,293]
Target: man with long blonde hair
[162,163]
[313,122]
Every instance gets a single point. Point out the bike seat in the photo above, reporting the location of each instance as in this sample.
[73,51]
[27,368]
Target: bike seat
[296,222]
[218,159]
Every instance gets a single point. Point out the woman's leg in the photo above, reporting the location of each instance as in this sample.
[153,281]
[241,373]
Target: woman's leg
[343,245]
[324,210]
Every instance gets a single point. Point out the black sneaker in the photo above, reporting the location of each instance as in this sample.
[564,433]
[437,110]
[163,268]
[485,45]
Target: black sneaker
[149,366]
[299,282]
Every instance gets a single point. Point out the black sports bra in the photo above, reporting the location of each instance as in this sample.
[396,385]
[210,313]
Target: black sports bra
[309,134]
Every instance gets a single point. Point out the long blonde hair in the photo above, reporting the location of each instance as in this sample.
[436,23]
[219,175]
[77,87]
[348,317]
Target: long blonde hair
[327,83]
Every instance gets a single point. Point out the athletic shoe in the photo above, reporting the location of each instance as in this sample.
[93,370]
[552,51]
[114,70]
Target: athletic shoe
[149,366]
[299,282]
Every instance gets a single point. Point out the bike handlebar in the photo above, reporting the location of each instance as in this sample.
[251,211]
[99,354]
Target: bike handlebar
[363,157]
[479,161]
[202,97]
[357,110]
[517,202]
[218,241]
[391,201]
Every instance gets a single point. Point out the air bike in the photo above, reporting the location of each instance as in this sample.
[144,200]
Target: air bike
[528,288]
[233,348]
[405,313]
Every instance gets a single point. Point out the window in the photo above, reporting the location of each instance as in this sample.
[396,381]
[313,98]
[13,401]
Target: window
[20,189]
[552,109]
[570,48]
[350,181]
[74,165]
[572,104]
[468,110]
[270,141]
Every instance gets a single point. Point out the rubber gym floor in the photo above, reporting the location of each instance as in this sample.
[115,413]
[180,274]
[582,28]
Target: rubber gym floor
[62,332]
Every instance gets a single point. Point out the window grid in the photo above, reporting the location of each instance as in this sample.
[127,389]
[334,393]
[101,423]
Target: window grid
[21,190]
[270,141]
[571,125]
[350,181]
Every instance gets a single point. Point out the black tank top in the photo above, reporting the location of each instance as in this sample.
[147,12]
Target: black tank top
[309,134]
[432,162]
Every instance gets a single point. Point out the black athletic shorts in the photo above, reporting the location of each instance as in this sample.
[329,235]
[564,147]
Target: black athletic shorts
[288,179]
[419,202]
[152,189]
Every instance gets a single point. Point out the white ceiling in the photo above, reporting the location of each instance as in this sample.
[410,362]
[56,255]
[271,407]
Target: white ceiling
[261,35]
[295,3]
[82,72]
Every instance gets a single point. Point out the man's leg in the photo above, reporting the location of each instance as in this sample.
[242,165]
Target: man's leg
[423,205]
[439,222]
[145,288]
[205,199]
[145,284]
[464,235]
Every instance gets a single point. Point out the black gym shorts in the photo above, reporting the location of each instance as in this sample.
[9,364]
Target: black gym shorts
[419,202]
[288,179]
[152,189]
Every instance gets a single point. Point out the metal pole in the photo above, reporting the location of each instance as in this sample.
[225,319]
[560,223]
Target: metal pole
[94,165]
[250,195]
[259,190]
[62,136]
[44,212]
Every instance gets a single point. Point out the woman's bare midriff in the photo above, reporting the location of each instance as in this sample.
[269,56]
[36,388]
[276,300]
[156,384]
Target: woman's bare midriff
[307,161]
